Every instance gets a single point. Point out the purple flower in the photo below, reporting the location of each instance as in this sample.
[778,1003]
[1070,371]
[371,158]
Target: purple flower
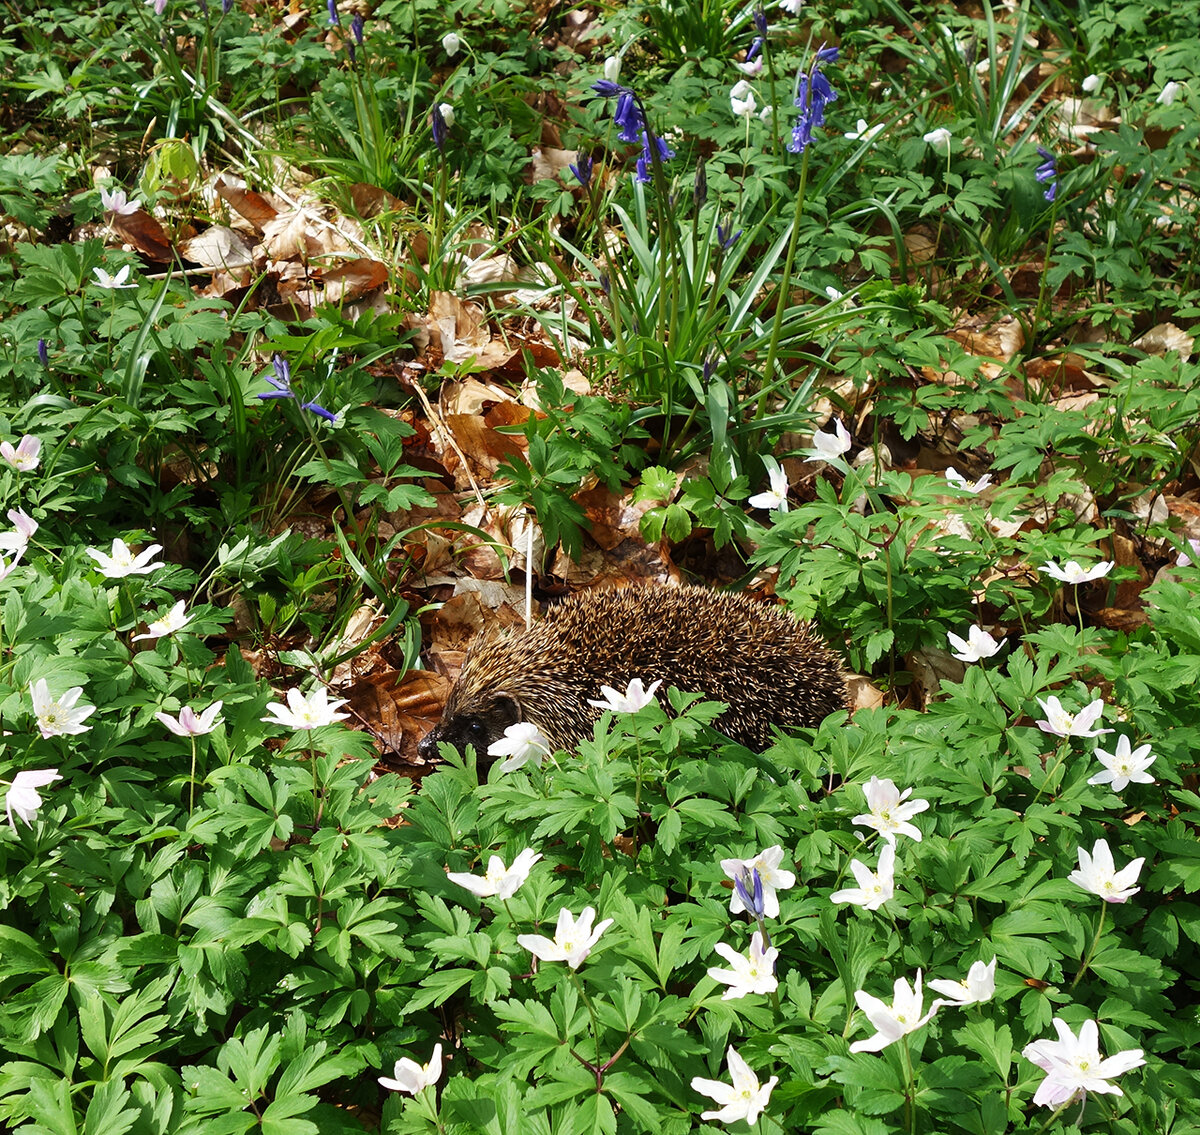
[42,353]
[281,380]
[755,48]
[582,169]
[750,890]
[438,123]
[319,410]
[813,95]
[334,20]
[760,20]
[1048,171]
[226,7]
[629,117]
[665,153]
[725,240]
[605,88]
[357,23]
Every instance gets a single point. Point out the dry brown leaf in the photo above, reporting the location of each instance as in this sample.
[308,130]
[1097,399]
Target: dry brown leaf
[254,207]
[293,235]
[218,247]
[1163,338]
[146,235]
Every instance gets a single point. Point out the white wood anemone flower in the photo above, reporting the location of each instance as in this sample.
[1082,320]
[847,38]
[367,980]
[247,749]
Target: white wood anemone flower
[302,712]
[23,797]
[411,1077]
[890,810]
[1074,1066]
[751,973]
[743,1099]
[893,1021]
[1127,765]
[978,986]
[59,717]
[498,881]
[573,938]
[1098,874]
[874,887]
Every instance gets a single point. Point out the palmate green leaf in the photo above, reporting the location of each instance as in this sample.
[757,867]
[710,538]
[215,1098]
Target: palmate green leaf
[111,1110]
[594,1116]
[438,986]
[50,1105]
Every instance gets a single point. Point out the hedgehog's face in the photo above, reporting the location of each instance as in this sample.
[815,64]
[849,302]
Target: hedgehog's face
[478,726]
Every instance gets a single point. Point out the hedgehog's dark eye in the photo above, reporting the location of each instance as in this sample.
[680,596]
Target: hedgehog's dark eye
[478,729]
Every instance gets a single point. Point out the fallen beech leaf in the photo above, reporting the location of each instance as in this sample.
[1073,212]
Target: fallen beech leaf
[145,234]
[253,206]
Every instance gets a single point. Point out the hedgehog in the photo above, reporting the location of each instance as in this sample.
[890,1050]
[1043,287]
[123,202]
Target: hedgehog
[769,668]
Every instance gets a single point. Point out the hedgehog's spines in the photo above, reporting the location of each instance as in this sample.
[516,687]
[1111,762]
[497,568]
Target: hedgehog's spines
[765,665]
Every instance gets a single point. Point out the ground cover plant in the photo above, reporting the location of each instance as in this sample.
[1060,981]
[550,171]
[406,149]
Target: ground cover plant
[330,332]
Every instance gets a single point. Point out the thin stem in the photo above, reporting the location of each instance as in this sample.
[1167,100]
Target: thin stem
[1087,958]
[1063,749]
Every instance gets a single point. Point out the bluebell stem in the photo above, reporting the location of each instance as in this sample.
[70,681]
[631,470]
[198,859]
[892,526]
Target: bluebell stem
[1048,171]
[582,169]
[43,353]
[357,23]
[334,19]
[438,123]
[813,95]
[750,890]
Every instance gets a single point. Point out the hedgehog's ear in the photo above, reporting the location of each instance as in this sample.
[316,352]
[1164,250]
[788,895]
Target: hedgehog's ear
[505,709]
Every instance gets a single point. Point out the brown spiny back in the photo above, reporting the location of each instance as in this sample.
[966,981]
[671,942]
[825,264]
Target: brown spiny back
[768,667]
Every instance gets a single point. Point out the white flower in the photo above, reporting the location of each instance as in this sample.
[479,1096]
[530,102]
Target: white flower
[1091,84]
[115,201]
[451,42]
[123,562]
[23,796]
[979,985]
[1169,93]
[1072,572]
[191,724]
[741,98]
[1063,724]
[24,459]
[1073,1064]
[833,293]
[830,446]
[792,6]
[750,69]
[745,1098]
[863,132]
[104,280]
[447,114]
[306,712]
[174,620]
[501,881]
[766,863]
[977,645]
[776,496]
[766,112]
[957,481]
[160,6]
[1125,765]
[750,974]
[57,717]
[635,697]
[939,139]
[612,68]
[1184,559]
[892,1021]
[7,566]
[888,814]
[1097,873]
[874,887]
[573,938]
[521,742]
[18,540]
[409,1076]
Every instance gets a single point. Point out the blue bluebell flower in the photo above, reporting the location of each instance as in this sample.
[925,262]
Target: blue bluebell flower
[334,20]
[281,379]
[629,117]
[755,48]
[226,7]
[760,20]
[438,124]
[582,169]
[357,23]
[319,410]
[813,95]
[42,353]
[725,240]
[1048,171]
